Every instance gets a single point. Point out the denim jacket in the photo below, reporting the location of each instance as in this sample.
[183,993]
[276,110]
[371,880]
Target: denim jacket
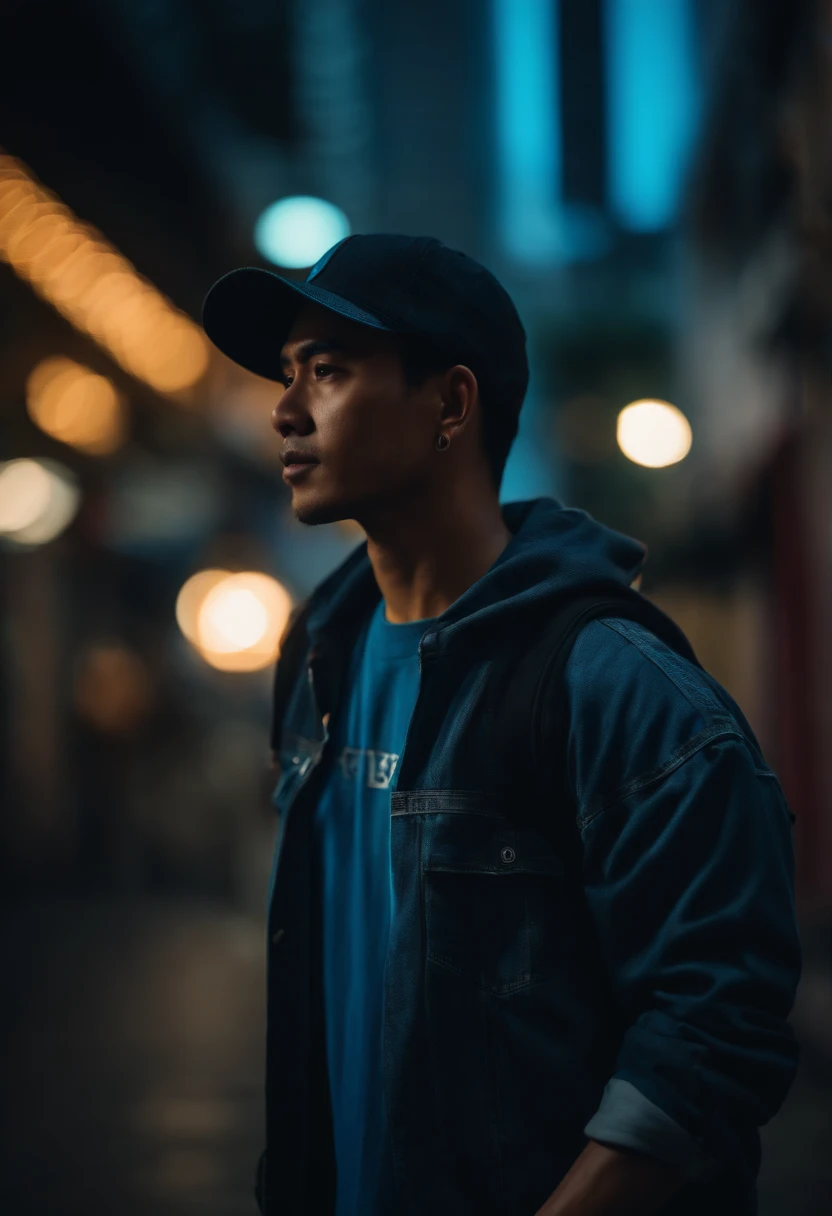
[632,985]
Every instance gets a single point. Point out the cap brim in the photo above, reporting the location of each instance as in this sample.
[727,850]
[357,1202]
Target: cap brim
[248,314]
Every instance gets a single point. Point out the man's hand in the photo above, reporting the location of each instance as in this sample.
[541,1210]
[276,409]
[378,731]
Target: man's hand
[612,1182]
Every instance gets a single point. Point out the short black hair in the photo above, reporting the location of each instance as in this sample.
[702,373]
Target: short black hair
[421,358]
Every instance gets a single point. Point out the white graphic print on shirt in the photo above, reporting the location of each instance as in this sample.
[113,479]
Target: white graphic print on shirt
[378,767]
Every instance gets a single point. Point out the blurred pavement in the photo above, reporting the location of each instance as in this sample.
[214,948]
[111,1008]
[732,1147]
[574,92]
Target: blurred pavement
[131,1061]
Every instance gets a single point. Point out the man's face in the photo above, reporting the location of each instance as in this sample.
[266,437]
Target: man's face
[346,403]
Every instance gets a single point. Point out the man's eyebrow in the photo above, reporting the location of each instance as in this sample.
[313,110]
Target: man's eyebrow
[315,346]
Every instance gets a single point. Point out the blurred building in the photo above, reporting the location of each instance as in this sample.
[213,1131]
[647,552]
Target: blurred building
[756,354]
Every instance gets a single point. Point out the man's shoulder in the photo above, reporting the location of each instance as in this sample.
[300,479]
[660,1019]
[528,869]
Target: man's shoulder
[637,709]
[624,659]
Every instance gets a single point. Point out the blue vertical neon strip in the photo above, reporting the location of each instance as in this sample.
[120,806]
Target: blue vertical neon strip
[651,107]
[528,128]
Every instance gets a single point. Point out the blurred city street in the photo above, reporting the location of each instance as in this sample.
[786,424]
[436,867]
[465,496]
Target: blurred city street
[132,1060]
[132,1068]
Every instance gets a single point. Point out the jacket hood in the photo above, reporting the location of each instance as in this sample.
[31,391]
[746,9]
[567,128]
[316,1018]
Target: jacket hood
[555,551]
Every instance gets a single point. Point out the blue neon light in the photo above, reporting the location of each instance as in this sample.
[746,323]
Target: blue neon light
[528,128]
[651,107]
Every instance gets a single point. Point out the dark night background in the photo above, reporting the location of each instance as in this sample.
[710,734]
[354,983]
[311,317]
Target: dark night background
[651,179]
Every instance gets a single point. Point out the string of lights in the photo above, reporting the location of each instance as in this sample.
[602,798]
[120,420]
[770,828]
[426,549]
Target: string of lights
[72,266]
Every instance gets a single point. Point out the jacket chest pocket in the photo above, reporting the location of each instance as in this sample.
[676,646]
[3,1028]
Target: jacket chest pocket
[493,894]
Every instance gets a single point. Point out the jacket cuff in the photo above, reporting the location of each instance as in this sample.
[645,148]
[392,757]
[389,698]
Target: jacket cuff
[626,1119]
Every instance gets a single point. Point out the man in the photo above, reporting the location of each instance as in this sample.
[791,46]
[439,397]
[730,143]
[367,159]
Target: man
[480,1000]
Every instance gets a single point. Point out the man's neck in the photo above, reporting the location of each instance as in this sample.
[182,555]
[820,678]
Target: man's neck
[432,555]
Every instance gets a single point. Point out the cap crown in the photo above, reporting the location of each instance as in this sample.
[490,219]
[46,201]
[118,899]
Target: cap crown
[419,285]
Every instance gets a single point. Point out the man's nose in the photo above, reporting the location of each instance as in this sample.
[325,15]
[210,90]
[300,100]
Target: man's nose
[280,419]
[285,424]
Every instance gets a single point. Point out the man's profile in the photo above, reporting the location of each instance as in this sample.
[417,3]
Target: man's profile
[532,943]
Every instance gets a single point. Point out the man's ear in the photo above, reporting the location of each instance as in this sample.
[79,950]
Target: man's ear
[460,385]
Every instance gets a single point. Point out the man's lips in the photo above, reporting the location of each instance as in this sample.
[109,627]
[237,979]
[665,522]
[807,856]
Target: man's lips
[295,468]
[292,457]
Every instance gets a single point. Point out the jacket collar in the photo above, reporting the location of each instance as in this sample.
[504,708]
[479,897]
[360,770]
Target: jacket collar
[553,551]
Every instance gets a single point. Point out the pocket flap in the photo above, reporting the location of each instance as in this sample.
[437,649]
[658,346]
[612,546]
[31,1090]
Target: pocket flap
[473,844]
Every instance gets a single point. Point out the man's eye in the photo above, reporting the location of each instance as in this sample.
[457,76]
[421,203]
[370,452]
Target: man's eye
[325,368]
[285,381]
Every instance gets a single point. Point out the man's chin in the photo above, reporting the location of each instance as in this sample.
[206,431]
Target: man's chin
[315,513]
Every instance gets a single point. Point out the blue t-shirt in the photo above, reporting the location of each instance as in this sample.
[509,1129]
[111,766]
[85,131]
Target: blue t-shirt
[352,822]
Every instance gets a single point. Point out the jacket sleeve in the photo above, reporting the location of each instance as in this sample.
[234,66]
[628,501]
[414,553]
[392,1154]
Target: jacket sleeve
[688,878]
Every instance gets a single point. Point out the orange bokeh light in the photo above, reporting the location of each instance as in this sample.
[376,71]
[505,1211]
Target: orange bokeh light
[73,404]
[235,621]
[71,265]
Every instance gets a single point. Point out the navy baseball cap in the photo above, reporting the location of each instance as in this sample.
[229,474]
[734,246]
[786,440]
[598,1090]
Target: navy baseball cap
[398,284]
